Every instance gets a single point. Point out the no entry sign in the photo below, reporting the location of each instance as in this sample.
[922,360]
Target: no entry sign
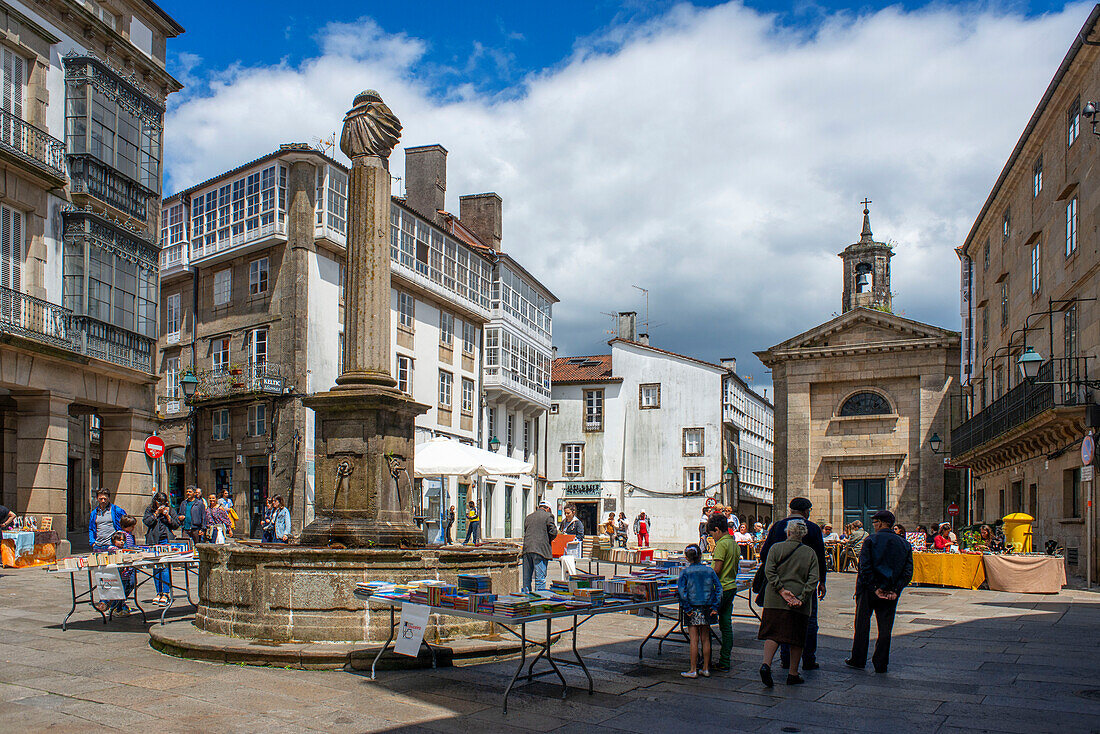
[154,447]
[1088,449]
[952,509]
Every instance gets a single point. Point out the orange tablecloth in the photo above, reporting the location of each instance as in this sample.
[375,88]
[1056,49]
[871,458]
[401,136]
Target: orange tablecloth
[43,553]
[1026,574]
[961,570]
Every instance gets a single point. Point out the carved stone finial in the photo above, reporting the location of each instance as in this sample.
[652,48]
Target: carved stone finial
[370,128]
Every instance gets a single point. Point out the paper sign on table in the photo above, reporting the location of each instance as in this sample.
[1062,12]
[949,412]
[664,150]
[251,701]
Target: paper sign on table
[109,583]
[410,633]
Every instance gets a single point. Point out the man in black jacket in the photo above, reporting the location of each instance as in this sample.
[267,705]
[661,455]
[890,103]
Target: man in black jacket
[538,530]
[885,568]
[800,510]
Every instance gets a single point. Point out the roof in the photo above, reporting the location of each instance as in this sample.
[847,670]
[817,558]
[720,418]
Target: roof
[594,368]
[1078,43]
[286,148]
[718,367]
[167,19]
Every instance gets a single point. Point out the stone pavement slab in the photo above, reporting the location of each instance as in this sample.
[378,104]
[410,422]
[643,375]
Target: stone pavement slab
[961,661]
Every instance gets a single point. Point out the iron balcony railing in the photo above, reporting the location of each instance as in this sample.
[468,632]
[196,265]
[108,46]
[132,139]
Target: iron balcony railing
[264,378]
[48,323]
[92,177]
[1057,384]
[31,143]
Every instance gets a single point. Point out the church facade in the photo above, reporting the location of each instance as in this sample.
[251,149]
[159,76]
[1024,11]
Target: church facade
[857,400]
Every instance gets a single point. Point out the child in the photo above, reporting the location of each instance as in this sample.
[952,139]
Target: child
[119,541]
[700,594]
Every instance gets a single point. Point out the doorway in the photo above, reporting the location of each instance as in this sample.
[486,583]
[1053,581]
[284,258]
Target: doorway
[588,513]
[175,485]
[257,499]
[460,510]
[863,498]
[508,489]
[77,502]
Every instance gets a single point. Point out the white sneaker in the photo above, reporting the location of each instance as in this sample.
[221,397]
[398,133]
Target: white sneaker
[705,673]
[690,674]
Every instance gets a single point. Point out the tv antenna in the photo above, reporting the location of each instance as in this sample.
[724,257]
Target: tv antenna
[646,292]
[614,330]
[327,145]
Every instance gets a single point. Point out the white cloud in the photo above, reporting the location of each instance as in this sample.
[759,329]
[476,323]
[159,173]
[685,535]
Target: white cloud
[712,156]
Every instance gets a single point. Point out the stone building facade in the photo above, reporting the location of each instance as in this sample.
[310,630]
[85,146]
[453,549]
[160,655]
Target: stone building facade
[857,400]
[1030,281]
[252,302]
[81,125]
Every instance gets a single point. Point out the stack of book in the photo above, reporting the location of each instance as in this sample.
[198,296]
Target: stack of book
[477,583]
[513,605]
[591,546]
[643,589]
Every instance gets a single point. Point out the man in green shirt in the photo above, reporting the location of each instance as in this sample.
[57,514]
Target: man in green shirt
[727,558]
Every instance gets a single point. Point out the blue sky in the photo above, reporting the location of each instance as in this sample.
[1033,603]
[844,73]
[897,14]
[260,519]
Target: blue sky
[714,154]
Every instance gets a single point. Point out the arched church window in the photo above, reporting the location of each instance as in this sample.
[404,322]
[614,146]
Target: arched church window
[865,403]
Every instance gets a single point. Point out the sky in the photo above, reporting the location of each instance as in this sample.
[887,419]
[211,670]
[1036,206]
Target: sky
[713,154]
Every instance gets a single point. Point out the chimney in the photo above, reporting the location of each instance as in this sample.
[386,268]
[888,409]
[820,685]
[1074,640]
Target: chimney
[730,363]
[554,352]
[426,180]
[628,325]
[643,339]
[482,215]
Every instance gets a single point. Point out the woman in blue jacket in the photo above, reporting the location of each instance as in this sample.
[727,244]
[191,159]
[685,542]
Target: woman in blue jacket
[700,593]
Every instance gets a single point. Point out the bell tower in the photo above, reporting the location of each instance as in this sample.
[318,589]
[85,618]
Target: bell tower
[867,270]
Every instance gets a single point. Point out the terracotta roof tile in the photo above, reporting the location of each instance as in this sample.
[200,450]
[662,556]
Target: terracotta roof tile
[596,368]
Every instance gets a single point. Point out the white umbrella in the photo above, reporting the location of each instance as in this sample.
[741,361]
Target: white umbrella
[447,457]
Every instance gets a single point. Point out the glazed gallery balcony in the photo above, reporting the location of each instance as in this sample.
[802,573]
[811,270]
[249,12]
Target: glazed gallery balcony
[254,379]
[33,146]
[56,326]
[92,178]
[1057,387]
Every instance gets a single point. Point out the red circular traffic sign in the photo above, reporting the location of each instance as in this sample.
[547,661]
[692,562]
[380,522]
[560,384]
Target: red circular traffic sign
[154,447]
[952,509]
[711,502]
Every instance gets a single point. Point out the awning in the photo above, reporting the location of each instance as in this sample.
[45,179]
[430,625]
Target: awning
[447,457]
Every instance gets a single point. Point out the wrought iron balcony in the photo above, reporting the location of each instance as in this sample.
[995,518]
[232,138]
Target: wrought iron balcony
[265,379]
[48,323]
[94,178]
[32,144]
[1058,384]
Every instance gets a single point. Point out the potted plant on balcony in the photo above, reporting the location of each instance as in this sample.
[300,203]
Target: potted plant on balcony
[236,370]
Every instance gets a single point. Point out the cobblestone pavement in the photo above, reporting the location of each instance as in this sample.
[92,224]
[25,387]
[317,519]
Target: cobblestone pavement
[962,661]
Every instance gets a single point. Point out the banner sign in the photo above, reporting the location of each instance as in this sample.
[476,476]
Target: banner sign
[410,633]
[591,489]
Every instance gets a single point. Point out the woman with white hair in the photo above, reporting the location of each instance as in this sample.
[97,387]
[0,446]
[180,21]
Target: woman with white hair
[791,572]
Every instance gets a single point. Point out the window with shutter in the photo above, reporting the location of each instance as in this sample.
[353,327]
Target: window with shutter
[11,248]
[14,70]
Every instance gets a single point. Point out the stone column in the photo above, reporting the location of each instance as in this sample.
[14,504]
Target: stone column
[42,463]
[127,471]
[364,426]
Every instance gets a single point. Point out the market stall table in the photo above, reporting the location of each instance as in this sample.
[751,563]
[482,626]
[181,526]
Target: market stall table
[146,571]
[1025,573]
[28,548]
[960,570]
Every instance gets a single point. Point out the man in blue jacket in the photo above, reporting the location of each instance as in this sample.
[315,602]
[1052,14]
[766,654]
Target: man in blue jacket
[105,521]
[885,568]
[800,510]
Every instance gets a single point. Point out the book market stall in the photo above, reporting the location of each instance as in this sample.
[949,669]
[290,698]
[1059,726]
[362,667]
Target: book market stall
[103,572]
[575,600]
[30,542]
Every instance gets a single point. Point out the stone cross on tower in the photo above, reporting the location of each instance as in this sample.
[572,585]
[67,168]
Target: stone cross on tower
[364,425]
[867,270]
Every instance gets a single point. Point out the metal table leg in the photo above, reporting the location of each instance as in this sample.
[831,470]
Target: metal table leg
[519,668]
[553,664]
[656,624]
[577,655]
[677,626]
[389,639]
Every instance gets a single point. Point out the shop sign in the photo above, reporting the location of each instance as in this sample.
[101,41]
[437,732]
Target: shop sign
[591,489]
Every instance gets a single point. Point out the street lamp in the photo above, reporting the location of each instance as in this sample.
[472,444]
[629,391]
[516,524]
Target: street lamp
[729,476]
[936,443]
[189,383]
[494,444]
[1089,112]
[1029,363]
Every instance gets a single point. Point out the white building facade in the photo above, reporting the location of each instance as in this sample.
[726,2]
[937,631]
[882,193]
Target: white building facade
[751,418]
[637,430]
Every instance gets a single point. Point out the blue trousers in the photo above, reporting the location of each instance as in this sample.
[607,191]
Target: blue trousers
[809,650]
[162,580]
[534,568]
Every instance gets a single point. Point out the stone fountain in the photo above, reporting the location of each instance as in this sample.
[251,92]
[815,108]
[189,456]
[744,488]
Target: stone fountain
[364,529]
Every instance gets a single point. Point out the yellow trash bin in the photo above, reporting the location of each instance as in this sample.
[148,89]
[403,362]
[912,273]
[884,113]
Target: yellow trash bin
[1017,530]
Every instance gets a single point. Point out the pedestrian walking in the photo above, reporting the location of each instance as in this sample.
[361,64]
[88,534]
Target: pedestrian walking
[885,569]
[621,536]
[641,529]
[473,520]
[777,533]
[220,526]
[727,559]
[704,537]
[104,522]
[700,593]
[538,531]
[450,525]
[159,522]
[609,528]
[282,521]
[791,574]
